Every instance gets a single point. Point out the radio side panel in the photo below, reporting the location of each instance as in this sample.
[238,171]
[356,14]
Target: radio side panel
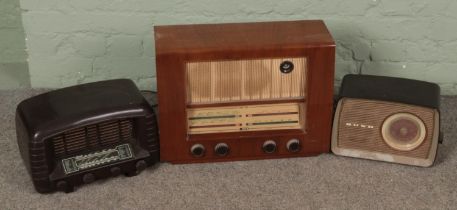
[172,104]
[23,139]
[33,153]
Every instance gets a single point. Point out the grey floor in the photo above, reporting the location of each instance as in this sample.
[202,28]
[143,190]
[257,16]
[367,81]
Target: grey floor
[322,182]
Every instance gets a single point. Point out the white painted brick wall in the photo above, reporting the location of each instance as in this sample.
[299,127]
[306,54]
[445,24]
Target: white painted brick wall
[72,42]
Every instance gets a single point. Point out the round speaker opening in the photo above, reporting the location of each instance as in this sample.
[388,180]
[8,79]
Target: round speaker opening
[403,131]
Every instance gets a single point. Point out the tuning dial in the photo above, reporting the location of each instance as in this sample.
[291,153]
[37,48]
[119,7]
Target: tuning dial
[221,149]
[293,145]
[269,146]
[197,150]
[286,67]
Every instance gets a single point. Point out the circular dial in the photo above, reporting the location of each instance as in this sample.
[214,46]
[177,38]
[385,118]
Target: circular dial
[221,149]
[269,146]
[403,131]
[197,150]
[286,67]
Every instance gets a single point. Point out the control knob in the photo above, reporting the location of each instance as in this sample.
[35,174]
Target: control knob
[197,150]
[293,145]
[269,146]
[221,149]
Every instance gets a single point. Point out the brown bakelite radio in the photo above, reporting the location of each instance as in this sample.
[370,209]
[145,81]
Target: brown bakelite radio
[244,90]
[79,134]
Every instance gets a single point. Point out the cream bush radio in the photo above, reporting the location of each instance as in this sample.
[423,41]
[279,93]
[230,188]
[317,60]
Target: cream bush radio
[244,90]
[388,119]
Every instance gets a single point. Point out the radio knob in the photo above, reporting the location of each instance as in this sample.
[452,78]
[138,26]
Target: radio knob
[88,178]
[286,67]
[115,171]
[293,145]
[221,149]
[269,146]
[140,165]
[62,185]
[197,150]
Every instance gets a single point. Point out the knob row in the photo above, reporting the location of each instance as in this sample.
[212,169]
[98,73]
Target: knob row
[292,145]
[87,178]
[222,149]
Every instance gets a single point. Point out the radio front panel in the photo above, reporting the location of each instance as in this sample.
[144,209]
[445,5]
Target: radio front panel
[362,131]
[246,80]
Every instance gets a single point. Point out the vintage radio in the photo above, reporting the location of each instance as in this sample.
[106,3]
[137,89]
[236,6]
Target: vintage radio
[78,134]
[387,119]
[242,91]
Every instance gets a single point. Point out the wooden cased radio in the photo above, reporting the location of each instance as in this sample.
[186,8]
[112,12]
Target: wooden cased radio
[240,91]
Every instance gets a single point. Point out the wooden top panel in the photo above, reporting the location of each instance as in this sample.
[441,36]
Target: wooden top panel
[241,36]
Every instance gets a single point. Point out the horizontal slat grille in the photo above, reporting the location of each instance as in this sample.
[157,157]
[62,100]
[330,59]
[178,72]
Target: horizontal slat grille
[92,137]
[373,113]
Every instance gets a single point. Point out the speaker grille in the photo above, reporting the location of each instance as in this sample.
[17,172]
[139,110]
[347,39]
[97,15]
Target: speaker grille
[92,137]
[244,80]
[361,120]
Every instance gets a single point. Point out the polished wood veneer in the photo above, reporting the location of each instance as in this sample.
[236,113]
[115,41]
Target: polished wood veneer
[237,64]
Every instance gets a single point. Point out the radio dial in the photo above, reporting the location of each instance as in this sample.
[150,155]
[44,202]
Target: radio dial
[293,145]
[197,150]
[221,149]
[286,67]
[269,146]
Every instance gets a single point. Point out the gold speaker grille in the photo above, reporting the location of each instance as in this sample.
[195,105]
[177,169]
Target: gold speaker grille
[361,120]
[244,80]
